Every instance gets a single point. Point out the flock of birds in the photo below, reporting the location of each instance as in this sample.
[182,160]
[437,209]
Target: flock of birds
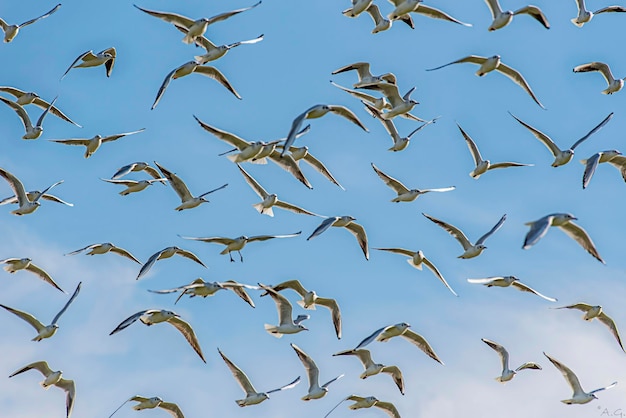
[383,101]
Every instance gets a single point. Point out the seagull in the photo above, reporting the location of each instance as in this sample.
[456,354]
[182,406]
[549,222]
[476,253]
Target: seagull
[493,63]
[53,378]
[302,153]
[26,205]
[381,24]
[579,396]
[252,396]
[417,259]
[188,201]
[348,223]
[150,403]
[372,369]
[585,15]
[105,57]
[137,166]
[32,132]
[270,200]
[197,27]
[155,316]
[315,390]
[237,244]
[471,250]
[133,186]
[214,52]
[43,331]
[203,289]
[24,98]
[596,311]
[613,157]
[194,67]
[361,402]
[508,374]
[482,166]
[502,18]
[251,149]
[105,247]
[400,329]
[365,75]
[92,144]
[167,253]
[315,112]
[615,85]
[506,281]
[561,157]
[35,195]
[310,300]
[404,7]
[540,227]
[15,264]
[404,194]
[11,31]
[400,105]
[358,7]
[286,325]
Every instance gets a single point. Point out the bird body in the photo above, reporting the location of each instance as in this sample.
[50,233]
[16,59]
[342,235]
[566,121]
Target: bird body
[507,373]
[105,57]
[92,144]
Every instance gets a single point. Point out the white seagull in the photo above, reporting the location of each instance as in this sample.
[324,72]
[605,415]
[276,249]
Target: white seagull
[506,281]
[203,289]
[315,390]
[595,311]
[214,52]
[613,157]
[43,331]
[358,7]
[381,24]
[154,316]
[404,194]
[286,324]
[24,98]
[614,85]
[585,15]
[26,205]
[105,57]
[150,403]
[579,396]
[365,75]
[103,248]
[137,166]
[188,201]
[368,402]
[11,31]
[400,105]
[167,253]
[92,144]
[15,264]
[482,166]
[501,18]
[508,374]
[417,260]
[372,369]
[471,250]
[348,223]
[35,195]
[252,396]
[32,132]
[53,378]
[540,227]
[561,157]
[404,7]
[237,244]
[401,329]
[134,186]
[488,64]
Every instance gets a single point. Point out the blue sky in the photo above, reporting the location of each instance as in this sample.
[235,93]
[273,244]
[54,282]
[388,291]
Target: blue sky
[279,78]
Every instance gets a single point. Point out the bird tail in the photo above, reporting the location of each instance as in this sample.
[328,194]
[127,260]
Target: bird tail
[234,158]
[200,59]
[272,330]
[576,22]
[412,264]
[188,39]
[266,211]
[310,307]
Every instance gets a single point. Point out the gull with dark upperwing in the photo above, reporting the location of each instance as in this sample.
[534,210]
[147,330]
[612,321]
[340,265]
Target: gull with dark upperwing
[15,264]
[404,7]
[24,98]
[614,84]
[26,205]
[501,18]
[508,374]
[596,311]
[133,186]
[506,281]
[203,289]
[150,403]
[348,223]
[105,57]
[315,390]
[365,75]
[470,250]
[613,157]
[167,253]
[404,194]
[372,369]
[561,157]
[585,15]
[286,323]
[368,402]
[92,144]
[103,248]
[135,167]
[32,132]
[11,31]
[488,64]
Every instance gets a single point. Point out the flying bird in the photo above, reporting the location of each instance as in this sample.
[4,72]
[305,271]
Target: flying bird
[372,369]
[24,98]
[35,195]
[471,250]
[614,85]
[399,105]
[103,248]
[32,132]
[252,396]
[154,316]
[105,57]
[11,31]
[167,253]
[365,75]
[579,396]
[368,402]
[404,194]
[348,223]
[506,281]
[92,144]
[540,227]
[585,15]
[508,374]
[203,289]
[595,311]
[133,186]
[214,52]
[399,143]
[286,324]
[26,205]
[302,154]
[358,7]
[381,24]
[613,157]
[43,331]
[488,64]
[315,390]
[150,403]
[15,264]
[135,167]
[501,18]
[404,7]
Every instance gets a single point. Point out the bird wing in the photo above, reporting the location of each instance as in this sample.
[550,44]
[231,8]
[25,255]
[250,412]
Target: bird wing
[172,408]
[581,237]
[359,232]
[421,342]
[348,114]
[389,90]
[266,237]
[358,94]
[89,247]
[128,321]
[149,263]
[293,285]
[618,9]
[472,146]
[504,355]
[362,354]
[519,80]
[370,338]
[215,240]
[239,375]
[123,182]
[619,162]
[326,223]
[494,7]
[580,306]
[173,18]
[34,322]
[200,41]
[437,273]
[474,59]
[287,386]
[188,333]
[294,208]
[20,112]
[177,184]
[594,130]
[452,230]
[388,407]
[402,251]
[214,190]
[604,388]
[54,198]
[310,366]
[62,311]
[492,231]
[69,387]
[396,374]
[397,186]
[606,320]
[335,312]
[282,304]
[596,66]
[216,75]
[295,126]
[125,170]
[258,189]
[529,365]
[226,15]
[80,57]
[321,168]
[568,374]
[437,14]
[240,290]
[29,22]
[190,255]
[485,281]
[54,110]
[125,253]
[224,136]
[164,85]
[537,230]
[72,141]
[118,136]
[536,13]
[545,139]
[43,275]
[524,288]
[41,366]
[287,163]
[16,185]
[362,68]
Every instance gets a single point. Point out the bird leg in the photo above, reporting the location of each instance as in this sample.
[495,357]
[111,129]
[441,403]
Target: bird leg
[240,256]
[231,257]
